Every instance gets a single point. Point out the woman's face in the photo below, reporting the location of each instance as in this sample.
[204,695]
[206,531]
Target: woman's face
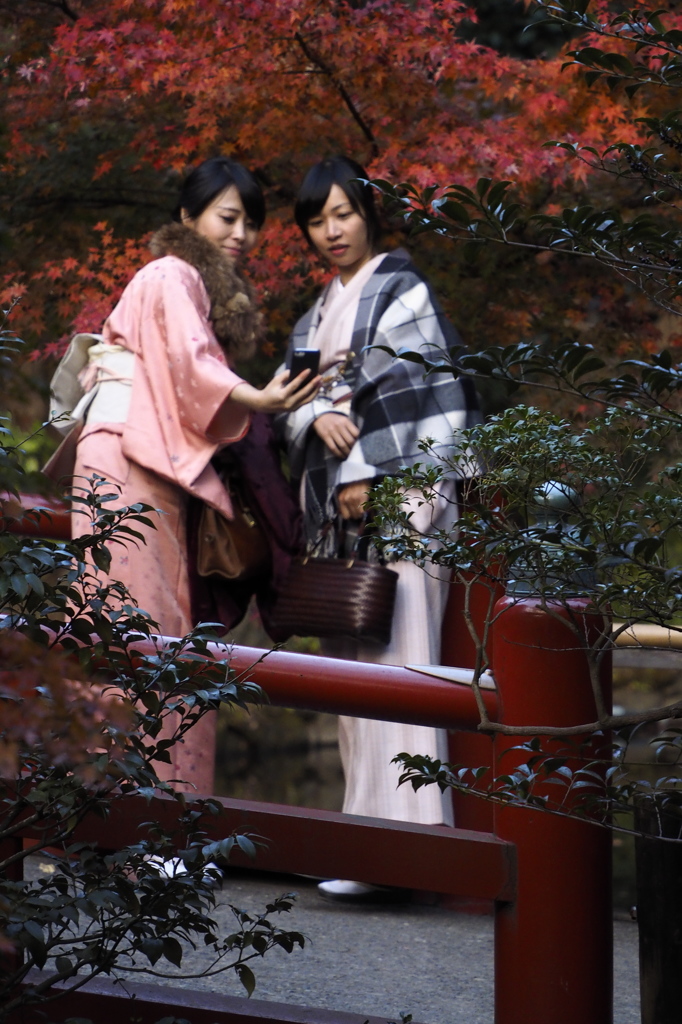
[339,233]
[225,223]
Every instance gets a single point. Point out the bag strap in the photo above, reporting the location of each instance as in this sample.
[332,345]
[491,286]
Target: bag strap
[359,538]
[350,542]
[349,553]
[322,536]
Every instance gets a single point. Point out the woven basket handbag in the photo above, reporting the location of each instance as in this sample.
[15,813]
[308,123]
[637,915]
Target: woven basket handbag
[329,597]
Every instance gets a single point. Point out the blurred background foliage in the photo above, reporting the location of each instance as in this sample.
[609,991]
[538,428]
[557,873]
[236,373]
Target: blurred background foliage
[97,128]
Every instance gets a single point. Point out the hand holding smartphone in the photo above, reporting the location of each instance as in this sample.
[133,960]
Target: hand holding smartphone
[300,359]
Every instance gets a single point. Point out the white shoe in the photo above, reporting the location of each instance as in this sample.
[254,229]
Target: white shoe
[174,867]
[342,890]
[167,867]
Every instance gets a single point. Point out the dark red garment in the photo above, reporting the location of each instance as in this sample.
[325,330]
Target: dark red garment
[274,504]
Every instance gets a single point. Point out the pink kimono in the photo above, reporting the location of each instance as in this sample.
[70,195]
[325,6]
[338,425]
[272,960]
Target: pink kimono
[178,417]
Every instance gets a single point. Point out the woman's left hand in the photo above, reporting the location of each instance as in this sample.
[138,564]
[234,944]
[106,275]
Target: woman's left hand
[279,395]
[352,498]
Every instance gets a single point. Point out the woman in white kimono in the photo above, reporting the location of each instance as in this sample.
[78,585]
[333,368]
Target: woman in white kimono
[366,423]
[168,398]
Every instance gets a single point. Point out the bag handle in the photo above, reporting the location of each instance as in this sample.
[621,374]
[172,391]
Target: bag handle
[320,539]
[338,524]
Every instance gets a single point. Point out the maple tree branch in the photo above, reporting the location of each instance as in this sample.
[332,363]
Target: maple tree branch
[56,5]
[62,5]
[327,70]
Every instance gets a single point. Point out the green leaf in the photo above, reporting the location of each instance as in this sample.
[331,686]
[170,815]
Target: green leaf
[35,583]
[19,584]
[101,556]
[592,76]
[482,186]
[497,193]
[34,929]
[246,846]
[63,965]
[153,949]
[455,211]
[172,950]
[247,978]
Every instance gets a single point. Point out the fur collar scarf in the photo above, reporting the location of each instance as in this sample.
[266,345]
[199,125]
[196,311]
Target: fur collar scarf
[234,317]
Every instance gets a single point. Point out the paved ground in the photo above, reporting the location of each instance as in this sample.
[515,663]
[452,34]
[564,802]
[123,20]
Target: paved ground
[432,963]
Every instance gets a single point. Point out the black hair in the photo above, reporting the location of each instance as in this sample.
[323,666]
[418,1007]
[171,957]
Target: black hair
[317,184]
[212,177]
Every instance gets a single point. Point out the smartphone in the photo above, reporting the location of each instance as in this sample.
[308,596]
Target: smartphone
[300,359]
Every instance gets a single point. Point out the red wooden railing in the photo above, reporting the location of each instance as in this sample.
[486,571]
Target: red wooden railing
[53,521]
[548,876]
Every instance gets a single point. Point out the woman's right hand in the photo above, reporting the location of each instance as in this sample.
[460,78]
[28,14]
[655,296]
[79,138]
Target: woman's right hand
[338,432]
[279,395]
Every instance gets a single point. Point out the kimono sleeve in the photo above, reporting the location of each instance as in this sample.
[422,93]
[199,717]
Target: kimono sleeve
[181,353]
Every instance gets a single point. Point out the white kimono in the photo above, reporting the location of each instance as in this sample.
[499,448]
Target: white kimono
[386,302]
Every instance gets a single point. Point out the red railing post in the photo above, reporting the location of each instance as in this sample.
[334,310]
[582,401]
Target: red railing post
[553,944]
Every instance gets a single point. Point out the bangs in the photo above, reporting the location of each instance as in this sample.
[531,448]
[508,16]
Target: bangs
[211,178]
[317,185]
[250,194]
[315,190]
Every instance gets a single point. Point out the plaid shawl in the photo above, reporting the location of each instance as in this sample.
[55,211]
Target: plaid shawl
[394,404]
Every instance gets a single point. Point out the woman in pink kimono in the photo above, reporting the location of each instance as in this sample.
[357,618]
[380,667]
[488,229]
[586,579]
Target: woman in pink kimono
[167,399]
